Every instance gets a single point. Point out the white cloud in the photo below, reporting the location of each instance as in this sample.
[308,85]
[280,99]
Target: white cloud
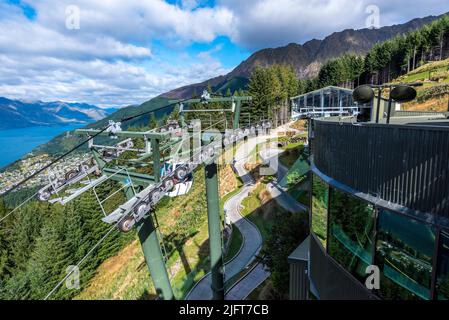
[269,23]
[24,37]
[110,61]
[138,21]
[205,55]
[96,81]
[189,4]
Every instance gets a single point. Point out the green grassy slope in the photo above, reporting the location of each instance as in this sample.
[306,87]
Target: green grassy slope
[434,94]
[235,84]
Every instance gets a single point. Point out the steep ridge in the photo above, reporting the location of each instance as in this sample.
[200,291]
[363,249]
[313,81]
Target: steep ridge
[307,58]
[22,114]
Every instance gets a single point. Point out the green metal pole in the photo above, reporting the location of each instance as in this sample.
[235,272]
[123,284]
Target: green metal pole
[379,98]
[238,106]
[153,256]
[390,102]
[213,214]
[156,160]
[181,117]
[100,162]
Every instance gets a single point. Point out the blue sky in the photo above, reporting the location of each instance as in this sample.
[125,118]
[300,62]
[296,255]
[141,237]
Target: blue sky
[27,10]
[126,52]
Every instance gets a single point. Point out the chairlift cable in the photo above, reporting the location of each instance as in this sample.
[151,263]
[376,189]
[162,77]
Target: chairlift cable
[114,227]
[81,261]
[86,141]
[18,207]
[72,150]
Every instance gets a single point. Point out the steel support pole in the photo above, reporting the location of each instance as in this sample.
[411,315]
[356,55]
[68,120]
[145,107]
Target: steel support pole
[96,155]
[213,214]
[238,107]
[379,98]
[156,160]
[181,117]
[390,102]
[153,256]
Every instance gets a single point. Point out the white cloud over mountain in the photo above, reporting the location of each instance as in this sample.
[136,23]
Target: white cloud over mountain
[110,60]
[268,23]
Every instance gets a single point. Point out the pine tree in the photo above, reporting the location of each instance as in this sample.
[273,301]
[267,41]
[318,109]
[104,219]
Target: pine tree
[153,122]
[4,243]
[174,115]
[284,237]
[27,224]
[50,258]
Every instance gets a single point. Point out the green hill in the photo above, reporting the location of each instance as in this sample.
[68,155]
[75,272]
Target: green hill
[235,84]
[434,94]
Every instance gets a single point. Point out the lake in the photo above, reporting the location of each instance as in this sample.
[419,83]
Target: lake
[16,143]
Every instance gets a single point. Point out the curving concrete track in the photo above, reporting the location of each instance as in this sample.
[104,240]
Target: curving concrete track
[250,281]
[252,239]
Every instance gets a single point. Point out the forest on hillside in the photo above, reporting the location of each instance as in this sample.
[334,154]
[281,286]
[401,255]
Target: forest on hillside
[39,241]
[385,61]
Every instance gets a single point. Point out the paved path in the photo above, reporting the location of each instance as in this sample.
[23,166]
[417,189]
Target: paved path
[271,156]
[243,288]
[252,239]
[284,199]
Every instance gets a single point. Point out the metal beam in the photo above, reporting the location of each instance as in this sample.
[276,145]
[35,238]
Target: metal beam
[152,252]
[97,157]
[80,191]
[120,175]
[214,221]
[222,99]
[238,107]
[156,160]
[153,257]
[127,134]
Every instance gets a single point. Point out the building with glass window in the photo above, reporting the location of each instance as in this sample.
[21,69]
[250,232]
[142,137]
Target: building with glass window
[327,102]
[379,199]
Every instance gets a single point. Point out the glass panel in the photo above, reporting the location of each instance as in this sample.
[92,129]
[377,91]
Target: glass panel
[443,268]
[404,254]
[351,232]
[320,196]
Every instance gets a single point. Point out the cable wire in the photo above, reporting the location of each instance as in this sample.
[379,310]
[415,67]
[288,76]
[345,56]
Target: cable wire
[81,261]
[86,141]
[56,161]
[18,207]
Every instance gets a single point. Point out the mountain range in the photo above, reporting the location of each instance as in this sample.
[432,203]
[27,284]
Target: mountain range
[16,114]
[307,58]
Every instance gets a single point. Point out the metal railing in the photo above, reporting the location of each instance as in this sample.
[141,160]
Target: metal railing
[405,113]
[316,112]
